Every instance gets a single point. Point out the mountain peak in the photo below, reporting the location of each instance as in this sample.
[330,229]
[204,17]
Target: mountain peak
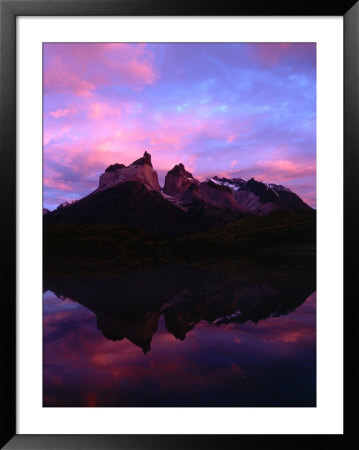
[179,169]
[140,171]
[178,180]
[146,159]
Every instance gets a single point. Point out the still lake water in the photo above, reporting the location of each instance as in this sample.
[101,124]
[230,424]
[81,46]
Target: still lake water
[179,335]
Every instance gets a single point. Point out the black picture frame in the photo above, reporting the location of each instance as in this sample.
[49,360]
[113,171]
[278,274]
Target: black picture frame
[9,10]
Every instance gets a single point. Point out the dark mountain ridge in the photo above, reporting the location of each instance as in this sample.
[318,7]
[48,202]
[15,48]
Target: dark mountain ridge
[130,204]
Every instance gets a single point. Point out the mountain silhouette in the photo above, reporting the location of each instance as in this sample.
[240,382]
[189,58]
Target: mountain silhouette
[132,196]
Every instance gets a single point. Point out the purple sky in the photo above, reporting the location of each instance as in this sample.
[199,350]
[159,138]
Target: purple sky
[231,110]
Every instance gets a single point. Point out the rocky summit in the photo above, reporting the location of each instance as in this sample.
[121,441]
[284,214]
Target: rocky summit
[140,171]
[178,180]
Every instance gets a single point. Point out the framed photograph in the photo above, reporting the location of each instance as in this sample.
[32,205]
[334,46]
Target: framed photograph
[173,188]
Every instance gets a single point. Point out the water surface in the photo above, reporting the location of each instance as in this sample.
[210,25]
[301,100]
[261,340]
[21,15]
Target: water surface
[180,335]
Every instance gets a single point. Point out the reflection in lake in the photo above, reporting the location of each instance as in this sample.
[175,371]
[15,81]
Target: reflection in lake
[180,335]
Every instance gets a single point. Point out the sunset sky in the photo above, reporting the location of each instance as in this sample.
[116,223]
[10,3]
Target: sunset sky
[232,110]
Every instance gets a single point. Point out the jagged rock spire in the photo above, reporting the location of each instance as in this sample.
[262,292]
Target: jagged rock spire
[146,159]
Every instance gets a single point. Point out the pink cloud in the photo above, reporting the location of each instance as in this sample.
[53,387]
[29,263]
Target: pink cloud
[59,77]
[62,112]
[57,184]
[54,133]
[100,110]
[287,169]
[70,68]
[137,73]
